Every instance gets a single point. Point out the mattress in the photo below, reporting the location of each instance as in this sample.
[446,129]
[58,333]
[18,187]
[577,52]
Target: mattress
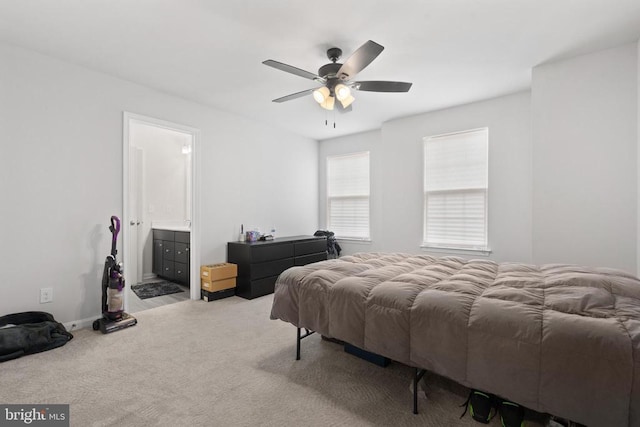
[556,338]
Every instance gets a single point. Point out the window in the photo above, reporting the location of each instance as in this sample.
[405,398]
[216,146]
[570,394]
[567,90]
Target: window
[455,190]
[348,195]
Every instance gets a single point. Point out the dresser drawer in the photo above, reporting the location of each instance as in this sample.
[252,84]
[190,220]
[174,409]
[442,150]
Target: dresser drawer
[308,259]
[164,235]
[168,269]
[310,247]
[181,252]
[271,252]
[263,286]
[168,250]
[183,237]
[271,268]
[181,273]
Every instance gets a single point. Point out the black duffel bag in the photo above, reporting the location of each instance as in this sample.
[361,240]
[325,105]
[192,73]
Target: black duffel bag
[30,332]
[333,248]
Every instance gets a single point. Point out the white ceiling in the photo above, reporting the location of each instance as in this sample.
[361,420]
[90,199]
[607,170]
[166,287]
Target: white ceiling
[454,51]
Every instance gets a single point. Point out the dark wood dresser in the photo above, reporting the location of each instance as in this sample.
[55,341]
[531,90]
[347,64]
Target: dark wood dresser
[260,263]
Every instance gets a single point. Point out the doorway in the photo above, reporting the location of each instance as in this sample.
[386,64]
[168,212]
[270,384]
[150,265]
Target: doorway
[160,192]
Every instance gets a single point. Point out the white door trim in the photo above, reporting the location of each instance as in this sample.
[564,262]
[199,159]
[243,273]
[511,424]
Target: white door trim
[194,263]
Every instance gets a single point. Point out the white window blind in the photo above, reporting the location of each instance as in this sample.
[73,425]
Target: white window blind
[348,195]
[455,190]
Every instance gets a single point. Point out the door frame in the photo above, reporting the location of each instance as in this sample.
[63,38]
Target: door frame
[127,119]
[139,163]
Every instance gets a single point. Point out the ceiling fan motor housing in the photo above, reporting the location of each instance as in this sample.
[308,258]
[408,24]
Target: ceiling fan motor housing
[329,70]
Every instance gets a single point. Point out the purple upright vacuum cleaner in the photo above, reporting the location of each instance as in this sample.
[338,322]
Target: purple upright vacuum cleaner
[113,316]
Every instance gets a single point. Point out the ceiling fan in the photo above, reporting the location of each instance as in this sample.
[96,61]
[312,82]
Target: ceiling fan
[336,78]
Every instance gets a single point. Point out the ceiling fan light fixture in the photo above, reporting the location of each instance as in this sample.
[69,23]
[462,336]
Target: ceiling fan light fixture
[347,101]
[342,92]
[328,103]
[321,94]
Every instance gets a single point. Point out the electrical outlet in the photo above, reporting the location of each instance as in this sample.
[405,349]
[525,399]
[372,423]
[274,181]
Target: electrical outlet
[46,295]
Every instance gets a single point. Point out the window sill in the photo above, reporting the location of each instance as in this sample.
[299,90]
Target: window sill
[353,240]
[456,251]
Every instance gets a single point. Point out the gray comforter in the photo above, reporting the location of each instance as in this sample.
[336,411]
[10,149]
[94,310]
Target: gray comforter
[555,338]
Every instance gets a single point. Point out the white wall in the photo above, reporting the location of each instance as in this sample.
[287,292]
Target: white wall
[563,166]
[61,177]
[165,171]
[638,157]
[397,175]
[584,115]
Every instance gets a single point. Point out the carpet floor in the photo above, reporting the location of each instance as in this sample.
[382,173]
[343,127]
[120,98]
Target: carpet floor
[222,363]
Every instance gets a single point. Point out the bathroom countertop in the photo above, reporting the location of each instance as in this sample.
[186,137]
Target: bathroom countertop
[170,226]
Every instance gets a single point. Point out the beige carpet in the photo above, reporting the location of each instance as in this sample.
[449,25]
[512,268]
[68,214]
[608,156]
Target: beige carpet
[222,363]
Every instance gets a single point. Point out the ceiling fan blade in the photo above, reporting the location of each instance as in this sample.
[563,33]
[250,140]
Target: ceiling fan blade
[294,96]
[360,59]
[291,69]
[382,86]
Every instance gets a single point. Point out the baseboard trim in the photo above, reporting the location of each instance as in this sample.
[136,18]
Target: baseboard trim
[74,325]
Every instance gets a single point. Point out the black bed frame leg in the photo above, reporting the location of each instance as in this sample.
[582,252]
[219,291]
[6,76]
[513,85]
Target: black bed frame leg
[419,373]
[299,338]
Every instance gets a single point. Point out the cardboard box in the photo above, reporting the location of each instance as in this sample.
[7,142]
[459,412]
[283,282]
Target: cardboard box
[212,296]
[223,270]
[217,285]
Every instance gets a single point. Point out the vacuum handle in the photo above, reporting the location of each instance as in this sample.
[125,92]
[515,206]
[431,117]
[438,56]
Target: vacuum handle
[115,229]
[115,224]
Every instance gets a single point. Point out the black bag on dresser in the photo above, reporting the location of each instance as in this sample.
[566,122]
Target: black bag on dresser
[30,332]
[333,248]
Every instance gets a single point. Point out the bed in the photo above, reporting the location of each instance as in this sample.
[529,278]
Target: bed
[556,338]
